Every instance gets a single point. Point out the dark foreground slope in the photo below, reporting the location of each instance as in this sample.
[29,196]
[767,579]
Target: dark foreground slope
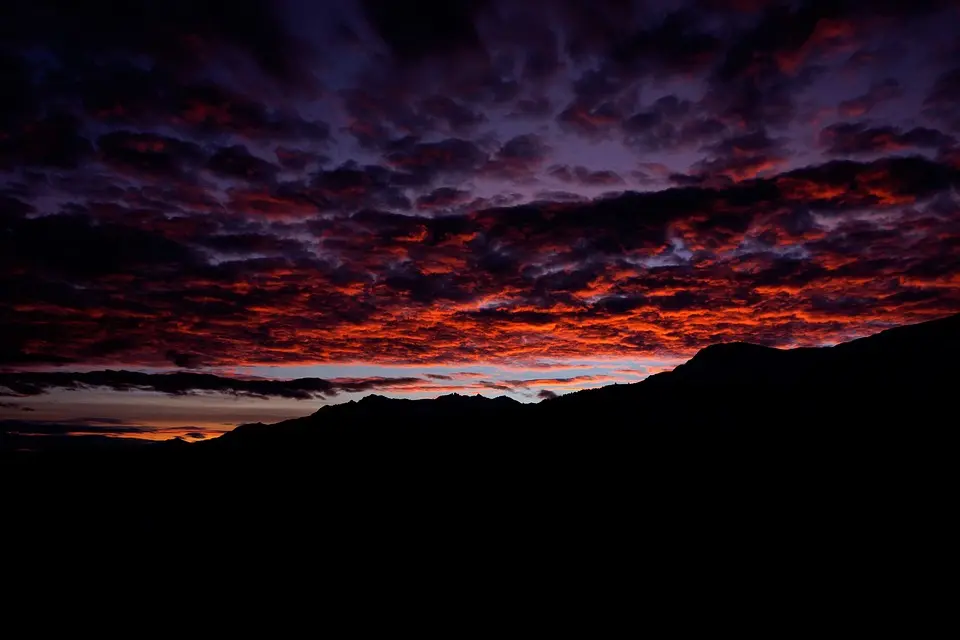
[865,421]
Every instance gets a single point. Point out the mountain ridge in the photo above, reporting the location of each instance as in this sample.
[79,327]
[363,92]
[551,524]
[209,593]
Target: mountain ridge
[901,371]
[808,428]
[904,365]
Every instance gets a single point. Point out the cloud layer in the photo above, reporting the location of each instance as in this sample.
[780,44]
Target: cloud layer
[31,384]
[466,182]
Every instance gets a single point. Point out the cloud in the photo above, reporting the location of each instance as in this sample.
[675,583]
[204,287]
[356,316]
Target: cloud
[423,28]
[297,159]
[572,381]
[237,162]
[859,139]
[52,141]
[46,435]
[296,200]
[351,187]
[454,115]
[148,154]
[518,158]
[28,384]
[80,249]
[251,243]
[676,46]
[593,123]
[940,103]
[444,197]
[670,123]
[427,160]
[584,176]
[439,183]
[82,34]
[71,427]
[209,108]
[877,94]
[743,157]
[532,108]
[653,274]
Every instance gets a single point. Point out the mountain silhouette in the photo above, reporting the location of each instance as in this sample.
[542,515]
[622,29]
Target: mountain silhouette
[905,369]
[739,431]
[879,381]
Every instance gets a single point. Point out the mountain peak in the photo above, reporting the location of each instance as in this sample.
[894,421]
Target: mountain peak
[727,356]
[733,350]
[373,398]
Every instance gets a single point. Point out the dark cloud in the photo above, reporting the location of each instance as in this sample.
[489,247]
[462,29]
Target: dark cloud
[13,208]
[416,183]
[426,160]
[737,6]
[764,70]
[27,384]
[76,247]
[134,97]
[88,434]
[212,109]
[185,360]
[496,283]
[350,187]
[597,86]
[518,158]
[521,317]
[147,153]
[20,106]
[525,148]
[585,176]
[442,198]
[878,93]
[296,159]
[743,157]
[677,45]
[378,119]
[546,394]
[849,139]
[941,103]
[83,33]
[298,200]
[589,122]
[71,427]
[426,288]
[559,196]
[847,184]
[749,103]
[670,123]
[419,29]
[237,162]
[53,141]
[532,108]
[455,116]
[252,244]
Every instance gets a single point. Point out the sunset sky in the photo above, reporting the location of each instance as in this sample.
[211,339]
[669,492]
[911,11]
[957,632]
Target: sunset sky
[224,212]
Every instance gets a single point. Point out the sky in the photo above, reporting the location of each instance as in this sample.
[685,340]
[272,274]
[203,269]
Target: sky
[214,213]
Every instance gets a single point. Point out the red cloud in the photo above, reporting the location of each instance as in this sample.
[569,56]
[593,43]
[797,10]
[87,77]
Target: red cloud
[788,260]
